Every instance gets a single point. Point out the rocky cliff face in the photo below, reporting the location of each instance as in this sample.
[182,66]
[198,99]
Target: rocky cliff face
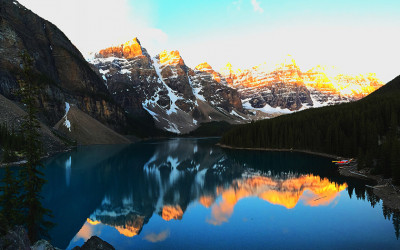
[285,88]
[180,98]
[13,115]
[211,87]
[126,79]
[63,74]
[127,50]
[177,97]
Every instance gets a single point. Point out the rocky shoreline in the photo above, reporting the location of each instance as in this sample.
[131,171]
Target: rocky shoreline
[17,238]
[383,188]
[283,150]
[23,161]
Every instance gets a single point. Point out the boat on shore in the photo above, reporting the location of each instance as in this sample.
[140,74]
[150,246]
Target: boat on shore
[343,162]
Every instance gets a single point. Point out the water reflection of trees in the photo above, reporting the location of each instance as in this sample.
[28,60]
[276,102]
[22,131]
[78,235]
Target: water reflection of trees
[125,187]
[389,213]
[300,163]
[357,187]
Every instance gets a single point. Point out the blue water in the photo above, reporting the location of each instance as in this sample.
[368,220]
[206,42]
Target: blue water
[189,193]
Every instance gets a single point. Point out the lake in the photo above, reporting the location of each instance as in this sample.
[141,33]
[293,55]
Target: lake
[190,193]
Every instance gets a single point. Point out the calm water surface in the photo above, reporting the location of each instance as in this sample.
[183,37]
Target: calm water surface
[189,193]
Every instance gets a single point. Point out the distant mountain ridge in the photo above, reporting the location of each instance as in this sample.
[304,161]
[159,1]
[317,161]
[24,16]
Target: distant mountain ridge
[131,91]
[179,98]
[285,86]
[367,129]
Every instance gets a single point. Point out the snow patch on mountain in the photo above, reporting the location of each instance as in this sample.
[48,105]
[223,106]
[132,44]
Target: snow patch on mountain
[266,109]
[153,114]
[171,93]
[233,112]
[67,123]
[196,90]
[173,128]
[125,71]
[316,103]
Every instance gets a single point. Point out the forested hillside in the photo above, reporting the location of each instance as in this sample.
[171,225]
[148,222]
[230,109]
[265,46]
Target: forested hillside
[367,129]
[10,142]
[211,129]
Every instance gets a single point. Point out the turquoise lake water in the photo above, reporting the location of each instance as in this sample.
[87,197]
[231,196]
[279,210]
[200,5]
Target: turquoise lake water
[192,194]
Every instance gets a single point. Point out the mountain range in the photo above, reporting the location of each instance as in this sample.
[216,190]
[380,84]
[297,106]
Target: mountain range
[179,98]
[367,129]
[285,86]
[128,91]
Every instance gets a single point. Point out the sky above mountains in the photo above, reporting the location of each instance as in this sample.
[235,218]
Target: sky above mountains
[357,36]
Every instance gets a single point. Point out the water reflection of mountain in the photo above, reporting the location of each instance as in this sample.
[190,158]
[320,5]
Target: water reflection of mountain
[123,187]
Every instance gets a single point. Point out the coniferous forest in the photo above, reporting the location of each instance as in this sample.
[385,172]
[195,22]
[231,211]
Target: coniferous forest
[367,130]
[20,199]
[11,142]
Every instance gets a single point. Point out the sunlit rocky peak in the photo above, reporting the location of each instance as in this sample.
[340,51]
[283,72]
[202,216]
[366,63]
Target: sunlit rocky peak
[170,58]
[288,61]
[126,50]
[228,69]
[322,78]
[205,67]
[228,73]
[329,78]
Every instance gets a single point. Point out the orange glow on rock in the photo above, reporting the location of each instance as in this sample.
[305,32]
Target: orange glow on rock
[322,78]
[228,73]
[328,79]
[312,190]
[127,50]
[171,58]
[205,67]
[170,212]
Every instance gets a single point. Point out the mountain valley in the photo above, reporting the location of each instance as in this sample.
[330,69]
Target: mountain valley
[132,92]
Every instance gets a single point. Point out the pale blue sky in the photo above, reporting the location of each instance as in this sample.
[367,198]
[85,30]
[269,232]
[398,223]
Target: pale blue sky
[357,35]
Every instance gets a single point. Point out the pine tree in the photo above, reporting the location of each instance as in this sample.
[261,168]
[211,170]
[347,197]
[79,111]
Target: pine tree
[10,202]
[396,223]
[361,159]
[395,162]
[31,176]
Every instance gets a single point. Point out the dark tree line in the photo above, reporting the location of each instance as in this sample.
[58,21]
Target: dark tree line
[11,143]
[20,200]
[362,193]
[367,130]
